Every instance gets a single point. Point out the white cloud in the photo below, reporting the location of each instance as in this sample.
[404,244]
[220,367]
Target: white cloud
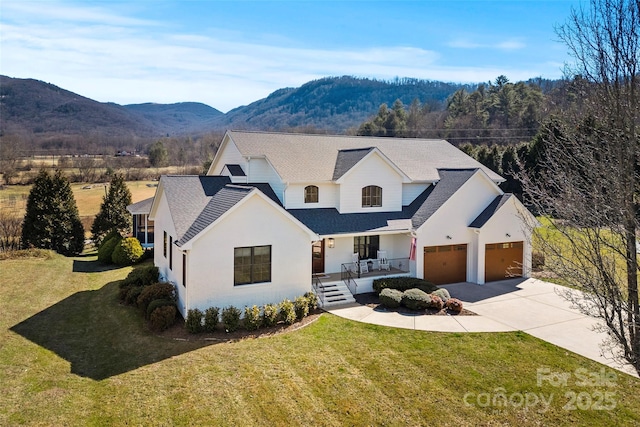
[507,45]
[111,57]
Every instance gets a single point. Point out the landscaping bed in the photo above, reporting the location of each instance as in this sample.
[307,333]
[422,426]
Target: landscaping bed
[371,300]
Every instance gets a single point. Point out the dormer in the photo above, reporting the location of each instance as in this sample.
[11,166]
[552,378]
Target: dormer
[368,181]
[235,173]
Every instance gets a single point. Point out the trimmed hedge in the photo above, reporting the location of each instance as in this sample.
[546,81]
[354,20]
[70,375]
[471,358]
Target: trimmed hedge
[390,298]
[211,318]
[128,252]
[252,319]
[403,284]
[162,317]
[144,275]
[442,293]
[193,322]
[313,300]
[301,306]
[287,312]
[435,302]
[230,318]
[158,303]
[105,251]
[415,299]
[156,291]
[270,315]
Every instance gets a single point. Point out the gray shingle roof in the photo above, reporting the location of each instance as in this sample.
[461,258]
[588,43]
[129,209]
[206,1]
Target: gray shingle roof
[313,158]
[490,210]
[450,182]
[347,159]
[141,207]
[197,201]
[330,221]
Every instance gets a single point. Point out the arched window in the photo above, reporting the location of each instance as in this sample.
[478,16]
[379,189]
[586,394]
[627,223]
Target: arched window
[311,194]
[371,196]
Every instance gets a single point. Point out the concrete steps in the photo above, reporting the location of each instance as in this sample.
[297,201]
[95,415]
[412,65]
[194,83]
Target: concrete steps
[335,293]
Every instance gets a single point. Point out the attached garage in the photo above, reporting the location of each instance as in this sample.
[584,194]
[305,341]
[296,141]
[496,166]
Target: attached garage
[445,264]
[503,260]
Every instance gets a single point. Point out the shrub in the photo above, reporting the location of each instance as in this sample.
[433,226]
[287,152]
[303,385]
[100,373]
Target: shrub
[415,299]
[230,318]
[158,303]
[211,318]
[105,252]
[128,252]
[301,306]
[313,300]
[156,291]
[270,315]
[435,302]
[162,317]
[132,295]
[537,260]
[454,304]
[193,323]
[390,298]
[287,312]
[144,275]
[252,318]
[403,284]
[442,293]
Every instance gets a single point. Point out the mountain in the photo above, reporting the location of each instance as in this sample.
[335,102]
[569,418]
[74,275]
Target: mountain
[47,117]
[335,104]
[179,118]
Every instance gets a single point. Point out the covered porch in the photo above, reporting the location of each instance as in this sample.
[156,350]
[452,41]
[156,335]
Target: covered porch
[143,229]
[347,265]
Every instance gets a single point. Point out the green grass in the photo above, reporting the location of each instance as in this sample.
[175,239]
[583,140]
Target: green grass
[70,355]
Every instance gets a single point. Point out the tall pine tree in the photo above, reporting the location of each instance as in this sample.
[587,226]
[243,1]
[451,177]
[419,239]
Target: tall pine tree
[52,220]
[113,213]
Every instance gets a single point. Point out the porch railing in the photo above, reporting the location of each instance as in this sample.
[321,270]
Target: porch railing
[347,277]
[396,266]
[318,288]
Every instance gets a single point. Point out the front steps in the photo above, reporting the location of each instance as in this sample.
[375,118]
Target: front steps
[335,293]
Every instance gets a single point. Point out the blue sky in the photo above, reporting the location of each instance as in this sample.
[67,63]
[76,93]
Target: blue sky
[231,53]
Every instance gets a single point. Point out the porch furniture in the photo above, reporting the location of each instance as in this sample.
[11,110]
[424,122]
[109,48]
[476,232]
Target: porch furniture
[364,266]
[383,261]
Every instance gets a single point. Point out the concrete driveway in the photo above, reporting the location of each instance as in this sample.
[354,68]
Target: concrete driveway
[528,305]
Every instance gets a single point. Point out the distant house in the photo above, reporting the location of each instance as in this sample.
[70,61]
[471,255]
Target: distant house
[280,214]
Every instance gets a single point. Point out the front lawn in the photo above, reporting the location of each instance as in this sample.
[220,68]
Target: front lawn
[70,355]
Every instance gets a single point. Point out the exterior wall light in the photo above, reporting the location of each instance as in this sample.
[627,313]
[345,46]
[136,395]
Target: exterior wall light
[448,237]
[332,243]
[508,235]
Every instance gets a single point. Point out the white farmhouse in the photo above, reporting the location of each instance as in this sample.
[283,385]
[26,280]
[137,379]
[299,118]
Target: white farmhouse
[280,214]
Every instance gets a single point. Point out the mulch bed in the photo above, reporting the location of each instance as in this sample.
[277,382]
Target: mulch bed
[179,332]
[371,300]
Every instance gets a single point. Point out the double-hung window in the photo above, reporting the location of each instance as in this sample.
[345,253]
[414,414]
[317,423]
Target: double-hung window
[252,265]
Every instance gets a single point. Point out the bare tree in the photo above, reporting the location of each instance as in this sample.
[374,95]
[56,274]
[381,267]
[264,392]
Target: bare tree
[588,176]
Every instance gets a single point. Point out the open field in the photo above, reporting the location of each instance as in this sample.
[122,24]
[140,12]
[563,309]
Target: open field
[14,198]
[70,355]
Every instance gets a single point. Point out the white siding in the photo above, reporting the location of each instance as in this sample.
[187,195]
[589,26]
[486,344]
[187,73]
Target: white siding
[259,170]
[411,191]
[228,156]
[254,223]
[371,171]
[163,222]
[507,221]
[327,196]
[453,220]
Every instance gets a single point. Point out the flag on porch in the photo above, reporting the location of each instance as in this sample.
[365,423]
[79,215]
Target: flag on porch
[412,252]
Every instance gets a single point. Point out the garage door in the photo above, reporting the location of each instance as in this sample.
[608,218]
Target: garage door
[445,264]
[503,260]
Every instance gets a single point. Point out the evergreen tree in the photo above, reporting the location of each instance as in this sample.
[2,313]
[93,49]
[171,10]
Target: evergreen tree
[158,156]
[52,220]
[113,213]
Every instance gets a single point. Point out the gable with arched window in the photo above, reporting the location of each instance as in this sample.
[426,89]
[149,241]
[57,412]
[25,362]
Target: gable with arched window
[371,196]
[311,194]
